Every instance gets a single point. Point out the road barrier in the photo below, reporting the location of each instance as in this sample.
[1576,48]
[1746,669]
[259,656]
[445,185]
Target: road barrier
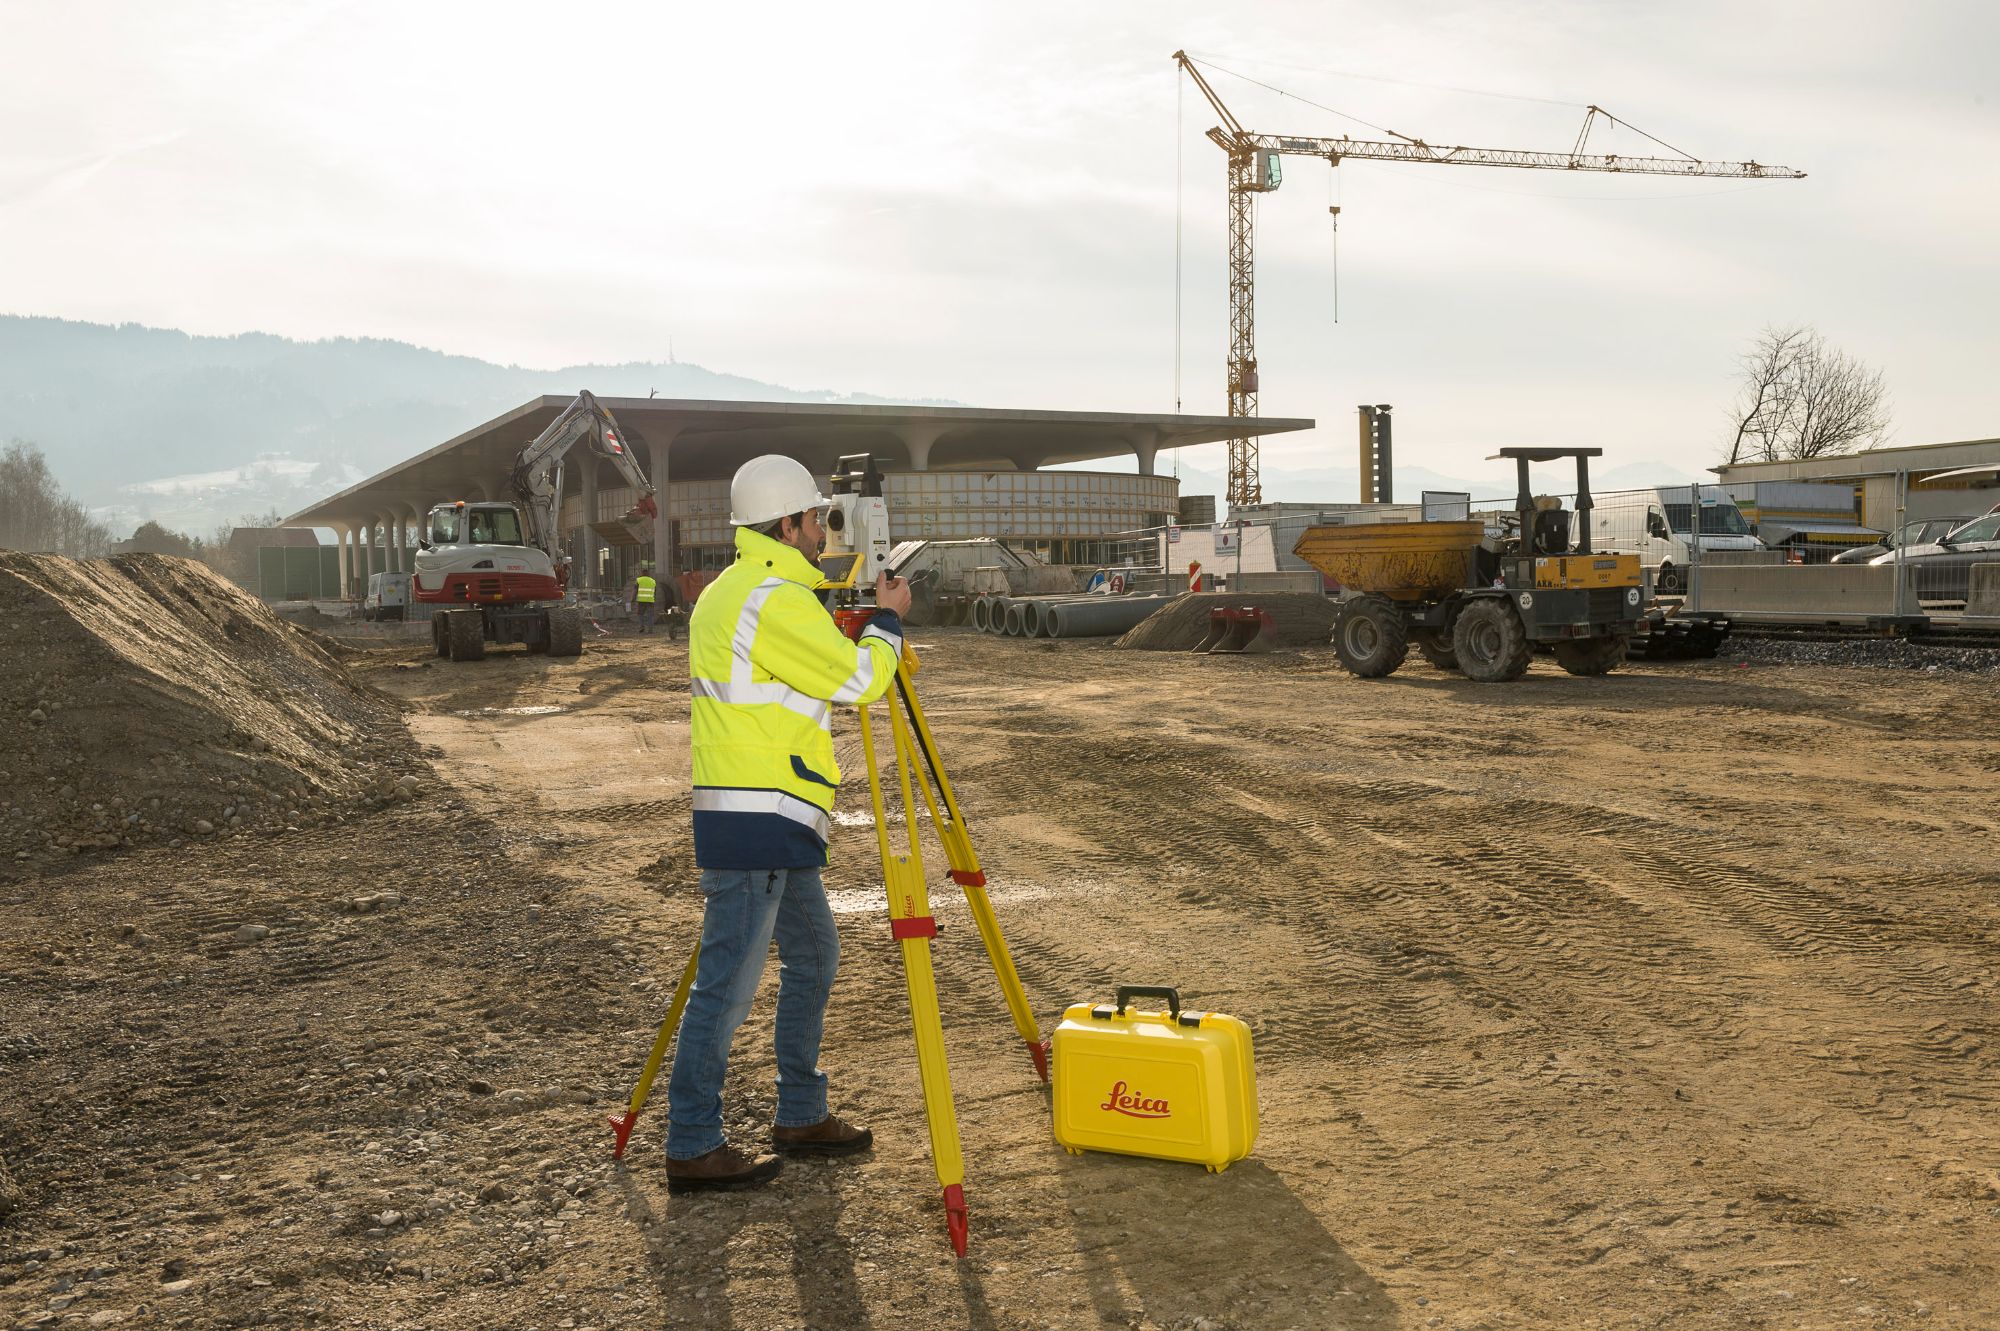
[1982,598]
[1823,592]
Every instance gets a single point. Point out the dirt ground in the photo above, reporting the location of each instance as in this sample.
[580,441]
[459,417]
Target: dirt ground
[1660,1000]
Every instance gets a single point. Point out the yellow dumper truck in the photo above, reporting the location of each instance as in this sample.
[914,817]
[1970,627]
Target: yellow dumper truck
[1481,603]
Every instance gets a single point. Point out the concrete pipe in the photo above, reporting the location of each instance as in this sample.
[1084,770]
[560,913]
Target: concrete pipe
[979,612]
[996,615]
[1103,616]
[1017,620]
[1042,614]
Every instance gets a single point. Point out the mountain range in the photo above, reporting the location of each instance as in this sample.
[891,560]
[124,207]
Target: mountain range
[195,431]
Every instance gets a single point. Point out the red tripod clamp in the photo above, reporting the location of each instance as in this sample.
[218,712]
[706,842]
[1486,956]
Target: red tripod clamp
[853,619]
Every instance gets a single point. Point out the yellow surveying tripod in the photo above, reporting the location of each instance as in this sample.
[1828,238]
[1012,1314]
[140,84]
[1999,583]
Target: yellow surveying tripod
[911,924]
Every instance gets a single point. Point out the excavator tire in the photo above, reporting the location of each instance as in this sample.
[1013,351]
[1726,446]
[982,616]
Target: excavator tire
[465,635]
[1490,642]
[565,631]
[1591,656]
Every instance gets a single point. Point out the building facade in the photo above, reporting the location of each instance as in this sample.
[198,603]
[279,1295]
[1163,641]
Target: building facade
[1875,473]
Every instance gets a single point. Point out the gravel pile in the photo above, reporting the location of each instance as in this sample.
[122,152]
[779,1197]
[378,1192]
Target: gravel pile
[1304,619]
[144,700]
[1880,653]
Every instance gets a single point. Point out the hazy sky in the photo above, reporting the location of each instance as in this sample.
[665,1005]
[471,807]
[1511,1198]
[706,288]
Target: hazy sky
[979,202]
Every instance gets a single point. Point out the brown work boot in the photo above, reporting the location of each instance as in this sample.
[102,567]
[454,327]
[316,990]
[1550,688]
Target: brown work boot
[832,1135]
[725,1169]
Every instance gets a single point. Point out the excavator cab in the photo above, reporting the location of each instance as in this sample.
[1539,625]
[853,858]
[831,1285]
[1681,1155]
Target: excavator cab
[464,523]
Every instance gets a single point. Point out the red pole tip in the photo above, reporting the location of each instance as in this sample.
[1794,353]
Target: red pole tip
[955,1218]
[621,1128]
[1039,1051]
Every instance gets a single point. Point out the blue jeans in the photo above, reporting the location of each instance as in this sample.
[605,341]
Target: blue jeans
[745,908]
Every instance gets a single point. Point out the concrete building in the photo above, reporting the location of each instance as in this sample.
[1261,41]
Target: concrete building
[950,473]
[1873,473]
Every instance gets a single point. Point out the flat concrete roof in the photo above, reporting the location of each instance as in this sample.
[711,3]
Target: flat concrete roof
[1869,461]
[709,440]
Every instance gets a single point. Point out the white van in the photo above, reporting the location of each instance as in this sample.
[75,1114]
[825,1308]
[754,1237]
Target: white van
[388,596]
[1653,524]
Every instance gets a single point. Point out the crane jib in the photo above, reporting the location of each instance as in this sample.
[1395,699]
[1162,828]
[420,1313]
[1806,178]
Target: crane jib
[1460,155]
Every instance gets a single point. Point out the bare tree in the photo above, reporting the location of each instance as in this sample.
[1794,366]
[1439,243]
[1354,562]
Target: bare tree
[35,514]
[1763,399]
[1801,398]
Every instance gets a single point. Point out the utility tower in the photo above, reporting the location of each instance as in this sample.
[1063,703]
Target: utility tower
[1254,169]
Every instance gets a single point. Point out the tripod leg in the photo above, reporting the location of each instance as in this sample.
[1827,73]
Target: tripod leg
[965,871]
[621,1124]
[911,924]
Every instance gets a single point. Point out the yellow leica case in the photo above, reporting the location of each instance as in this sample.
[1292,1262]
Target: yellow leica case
[1173,1085]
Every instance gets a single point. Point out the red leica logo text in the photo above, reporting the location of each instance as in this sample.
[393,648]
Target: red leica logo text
[1133,1105]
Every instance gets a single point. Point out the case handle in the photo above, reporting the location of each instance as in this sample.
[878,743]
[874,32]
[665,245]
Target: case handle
[1128,992]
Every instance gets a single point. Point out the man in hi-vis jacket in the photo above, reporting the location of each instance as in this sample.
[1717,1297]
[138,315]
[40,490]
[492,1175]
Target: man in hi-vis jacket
[766,665]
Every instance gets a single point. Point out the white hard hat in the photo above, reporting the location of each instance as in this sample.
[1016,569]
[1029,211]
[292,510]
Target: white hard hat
[769,488]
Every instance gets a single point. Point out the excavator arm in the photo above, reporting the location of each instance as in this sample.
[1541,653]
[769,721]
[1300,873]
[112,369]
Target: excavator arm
[537,478]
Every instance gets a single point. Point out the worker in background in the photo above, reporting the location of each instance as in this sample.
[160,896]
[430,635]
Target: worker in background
[766,664]
[646,598]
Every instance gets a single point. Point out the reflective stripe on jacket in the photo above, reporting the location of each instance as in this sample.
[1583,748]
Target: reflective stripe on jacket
[766,663]
[645,589]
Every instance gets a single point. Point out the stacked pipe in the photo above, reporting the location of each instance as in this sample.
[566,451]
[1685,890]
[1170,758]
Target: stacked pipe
[1062,616]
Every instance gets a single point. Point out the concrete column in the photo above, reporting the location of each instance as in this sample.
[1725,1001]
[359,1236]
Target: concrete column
[392,541]
[664,565]
[587,546]
[340,535]
[1146,444]
[918,437]
[365,555]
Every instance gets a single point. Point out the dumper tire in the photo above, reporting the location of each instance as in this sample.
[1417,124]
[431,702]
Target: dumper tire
[1370,636]
[1490,642]
[438,641]
[465,635]
[565,631]
[1591,656]
[1434,645]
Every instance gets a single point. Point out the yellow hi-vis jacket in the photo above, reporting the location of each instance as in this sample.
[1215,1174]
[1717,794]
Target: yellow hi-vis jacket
[766,663]
[644,588]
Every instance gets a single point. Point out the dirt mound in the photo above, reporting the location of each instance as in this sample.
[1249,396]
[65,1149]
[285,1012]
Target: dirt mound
[1304,619]
[308,616]
[143,699]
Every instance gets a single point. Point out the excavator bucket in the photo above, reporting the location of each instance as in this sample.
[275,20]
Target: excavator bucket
[1247,629]
[638,521]
[1218,629]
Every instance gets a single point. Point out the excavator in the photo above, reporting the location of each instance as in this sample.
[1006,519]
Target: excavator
[498,564]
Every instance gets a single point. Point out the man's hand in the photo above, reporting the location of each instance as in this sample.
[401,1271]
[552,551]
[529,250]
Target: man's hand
[892,594]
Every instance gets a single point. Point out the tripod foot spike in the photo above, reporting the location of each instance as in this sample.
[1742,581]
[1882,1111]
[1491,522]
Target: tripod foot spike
[955,1218]
[1039,1051]
[621,1128]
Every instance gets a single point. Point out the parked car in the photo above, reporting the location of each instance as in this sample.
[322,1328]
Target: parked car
[1944,566]
[1917,531]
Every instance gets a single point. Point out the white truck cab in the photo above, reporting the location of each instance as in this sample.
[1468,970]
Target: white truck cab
[1656,525]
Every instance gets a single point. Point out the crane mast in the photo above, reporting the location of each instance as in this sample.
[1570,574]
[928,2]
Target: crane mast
[1253,169]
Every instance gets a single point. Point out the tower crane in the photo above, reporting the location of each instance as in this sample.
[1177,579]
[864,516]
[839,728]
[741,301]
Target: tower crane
[1254,169]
